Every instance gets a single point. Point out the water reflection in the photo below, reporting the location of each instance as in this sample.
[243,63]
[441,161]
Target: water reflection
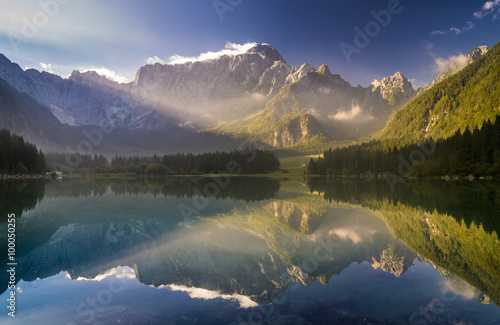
[252,242]
[474,202]
[452,225]
[19,196]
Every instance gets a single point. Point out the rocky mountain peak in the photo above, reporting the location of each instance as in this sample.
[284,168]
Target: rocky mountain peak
[324,70]
[267,51]
[398,80]
[87,76]
[395,89]
[478,52]
[4,59]
[458,64]
[8,67]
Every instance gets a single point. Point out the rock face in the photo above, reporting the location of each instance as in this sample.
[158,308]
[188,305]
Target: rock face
[221,90]
[296,217]
[394,260]
[204,94]
[318,103]
[457,65]
[396,89]
[25,117]
[299,128]
[83,98]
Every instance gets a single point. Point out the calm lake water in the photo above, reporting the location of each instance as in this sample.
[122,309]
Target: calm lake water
[252,251]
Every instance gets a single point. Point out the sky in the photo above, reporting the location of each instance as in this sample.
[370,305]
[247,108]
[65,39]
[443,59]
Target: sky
[361,40]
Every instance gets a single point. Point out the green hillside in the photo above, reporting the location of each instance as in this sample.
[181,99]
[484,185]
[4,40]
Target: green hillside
[464,100]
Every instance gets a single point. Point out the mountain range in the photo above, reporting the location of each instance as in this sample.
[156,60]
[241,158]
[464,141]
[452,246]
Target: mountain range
[201,106]
[456,102]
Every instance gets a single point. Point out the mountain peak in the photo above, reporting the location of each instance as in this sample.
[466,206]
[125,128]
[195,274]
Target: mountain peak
[324,70]
[3,58]
[478,52]
[396,89]
[307,66]
[88,76]
[267,51]
[398,75]
[458,64]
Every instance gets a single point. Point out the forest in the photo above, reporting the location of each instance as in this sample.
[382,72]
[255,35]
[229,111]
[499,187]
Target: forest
[248,161]
[462,101]
[19,157]
[474,152]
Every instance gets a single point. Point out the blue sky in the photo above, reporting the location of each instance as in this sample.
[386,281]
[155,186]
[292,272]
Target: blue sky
[116,37]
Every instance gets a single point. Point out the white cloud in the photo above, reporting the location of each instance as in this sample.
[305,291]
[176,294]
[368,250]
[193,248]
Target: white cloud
[198,293]
[47,67]
[459,61]
[155,59]
[109,74]
[355,114]
[488,8]
[466,291]
[437,32]
[65,71]
[231,49]
[120,272]
[468,26]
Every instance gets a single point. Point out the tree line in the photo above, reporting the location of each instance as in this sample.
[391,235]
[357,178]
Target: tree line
[249,161]
[18,156]
[475,152]
[64,161]
[463,100]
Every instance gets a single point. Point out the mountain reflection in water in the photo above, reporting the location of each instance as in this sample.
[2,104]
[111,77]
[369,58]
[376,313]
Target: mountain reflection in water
[254,239]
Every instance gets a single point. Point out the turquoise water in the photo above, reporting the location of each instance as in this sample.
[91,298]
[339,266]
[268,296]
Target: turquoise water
[253,252]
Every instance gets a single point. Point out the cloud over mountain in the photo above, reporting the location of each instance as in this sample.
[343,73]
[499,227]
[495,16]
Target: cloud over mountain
[231,49]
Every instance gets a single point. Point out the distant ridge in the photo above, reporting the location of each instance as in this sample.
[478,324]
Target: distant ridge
[464,100]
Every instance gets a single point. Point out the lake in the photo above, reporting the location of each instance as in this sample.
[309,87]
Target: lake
[248,250]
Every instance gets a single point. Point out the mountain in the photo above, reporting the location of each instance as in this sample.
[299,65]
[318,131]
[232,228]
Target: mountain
[83,98]
[396,89]
[22,115]
[254,94]
[322,106]
[255,250]
[464,100]
[208,93]
[458,64]
[26,117]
